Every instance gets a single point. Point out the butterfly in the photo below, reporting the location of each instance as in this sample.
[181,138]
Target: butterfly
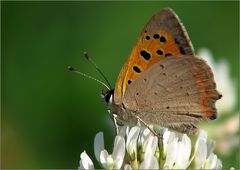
[163,82]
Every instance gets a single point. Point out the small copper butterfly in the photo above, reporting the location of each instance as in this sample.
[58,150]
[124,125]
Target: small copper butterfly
[163,82]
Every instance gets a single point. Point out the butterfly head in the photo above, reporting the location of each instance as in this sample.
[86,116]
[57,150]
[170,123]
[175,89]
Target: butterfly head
[107,96]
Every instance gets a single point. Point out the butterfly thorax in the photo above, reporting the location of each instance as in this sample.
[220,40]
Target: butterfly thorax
[118,112]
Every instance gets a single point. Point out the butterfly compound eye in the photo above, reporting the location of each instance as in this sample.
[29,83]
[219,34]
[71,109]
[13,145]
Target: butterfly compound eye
[108,96]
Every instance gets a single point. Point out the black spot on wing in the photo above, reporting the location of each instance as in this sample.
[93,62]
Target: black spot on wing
[163,39]
[156,36]
[145,54]
[159,52]
[136,69]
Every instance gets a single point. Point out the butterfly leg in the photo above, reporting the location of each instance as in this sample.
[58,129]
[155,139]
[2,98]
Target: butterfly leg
[115,123]
[145,124]
[113,116]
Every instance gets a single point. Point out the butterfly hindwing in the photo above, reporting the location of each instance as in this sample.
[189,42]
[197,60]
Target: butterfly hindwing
[178,91]
[163,36]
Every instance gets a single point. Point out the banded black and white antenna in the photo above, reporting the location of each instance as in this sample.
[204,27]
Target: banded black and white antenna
[108,86]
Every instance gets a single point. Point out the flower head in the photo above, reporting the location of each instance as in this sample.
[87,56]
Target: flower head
[138,148]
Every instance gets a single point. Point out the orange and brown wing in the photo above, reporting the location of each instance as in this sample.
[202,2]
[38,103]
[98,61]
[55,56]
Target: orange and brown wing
[164,35]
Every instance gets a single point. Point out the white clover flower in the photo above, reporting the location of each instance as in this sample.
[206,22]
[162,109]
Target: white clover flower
[138,148]
[107,161]
[203,153]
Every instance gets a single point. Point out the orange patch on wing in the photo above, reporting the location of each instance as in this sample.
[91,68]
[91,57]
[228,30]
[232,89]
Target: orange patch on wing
[156,47]
[210,94]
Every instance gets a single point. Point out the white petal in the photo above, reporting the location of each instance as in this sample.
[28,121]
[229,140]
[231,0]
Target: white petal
[171,154]
[98,145]
[127,167]
[133,134]
[201,154]
[179,158]
[149,162]
[151,146]
[85,162]
[81,165]
[119,147]
[104,158]
[131,143]
[118,162]
[202,135]
[166,136]
[219,164]
[211,162]
[172,137]
[132,149]
[186,151]
[118,151]
[110,162]
[127,130]
[210,147]
[144,135]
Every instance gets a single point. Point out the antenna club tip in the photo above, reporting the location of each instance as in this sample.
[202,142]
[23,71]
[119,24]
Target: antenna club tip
[70,68]
[86,54]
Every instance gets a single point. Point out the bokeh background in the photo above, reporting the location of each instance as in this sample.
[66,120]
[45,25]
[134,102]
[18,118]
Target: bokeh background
[50,115]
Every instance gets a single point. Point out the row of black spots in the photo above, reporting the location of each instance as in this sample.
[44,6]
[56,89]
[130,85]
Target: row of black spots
[157,36]
[147,37]
[146,55]
[161,38]
[136,69]
[160,52]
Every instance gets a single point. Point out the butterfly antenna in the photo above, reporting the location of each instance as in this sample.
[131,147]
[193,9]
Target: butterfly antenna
[70,68]
[96,67]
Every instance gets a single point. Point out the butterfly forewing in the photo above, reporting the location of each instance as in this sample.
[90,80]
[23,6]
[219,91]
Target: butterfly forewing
[163,36]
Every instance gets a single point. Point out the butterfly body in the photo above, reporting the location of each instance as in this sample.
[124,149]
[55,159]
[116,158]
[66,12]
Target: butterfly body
[163,82]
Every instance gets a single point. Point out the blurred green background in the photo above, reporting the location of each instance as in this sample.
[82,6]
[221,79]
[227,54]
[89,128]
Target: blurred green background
[49,115]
